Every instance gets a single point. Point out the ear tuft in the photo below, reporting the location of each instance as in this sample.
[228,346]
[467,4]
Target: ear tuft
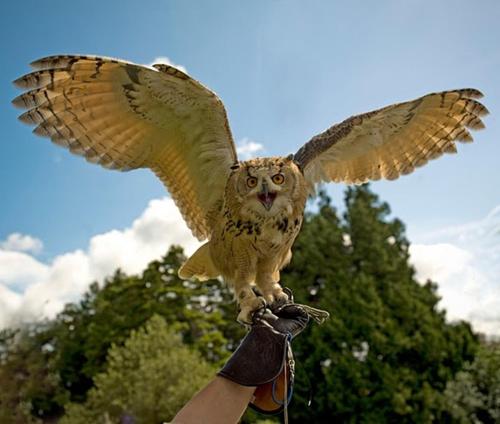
[235,166]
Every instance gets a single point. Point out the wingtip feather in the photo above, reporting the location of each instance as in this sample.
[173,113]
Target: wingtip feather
[472,93]
[18,102]
[26,118]
[20,82]
[49,61]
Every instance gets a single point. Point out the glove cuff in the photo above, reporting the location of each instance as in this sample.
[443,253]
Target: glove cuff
[259,359]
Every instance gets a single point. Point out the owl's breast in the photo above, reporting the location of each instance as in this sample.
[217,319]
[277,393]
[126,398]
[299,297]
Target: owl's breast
[278,234]
[260,236]
[239,246]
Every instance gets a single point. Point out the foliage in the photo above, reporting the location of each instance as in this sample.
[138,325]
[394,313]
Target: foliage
[107,315]
[149,378]
[474,395]
[80,336]
[29,381]
[387,352]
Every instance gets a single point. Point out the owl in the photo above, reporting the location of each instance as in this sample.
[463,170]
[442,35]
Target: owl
[125,116]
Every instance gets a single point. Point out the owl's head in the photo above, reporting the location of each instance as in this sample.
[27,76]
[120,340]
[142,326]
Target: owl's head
[267,186]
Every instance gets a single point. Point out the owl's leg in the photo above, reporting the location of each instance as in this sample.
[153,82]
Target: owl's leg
[268,283]
[247,300]
[268,277]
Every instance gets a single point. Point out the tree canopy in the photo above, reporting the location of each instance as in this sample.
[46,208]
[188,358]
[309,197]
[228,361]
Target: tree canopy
[473,396]
[387,351]
[148,379]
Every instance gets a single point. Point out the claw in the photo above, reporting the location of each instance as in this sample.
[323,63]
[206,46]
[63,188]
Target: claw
[289,293]
[280,300]
[250,310]
[276,296]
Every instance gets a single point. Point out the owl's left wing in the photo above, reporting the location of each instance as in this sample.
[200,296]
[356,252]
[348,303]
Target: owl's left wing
[392,141]
[124,116]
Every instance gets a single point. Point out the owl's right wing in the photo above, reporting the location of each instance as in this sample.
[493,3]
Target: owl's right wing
[126,116]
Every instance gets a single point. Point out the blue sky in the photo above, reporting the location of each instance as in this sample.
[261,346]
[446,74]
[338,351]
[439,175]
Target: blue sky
[285,70]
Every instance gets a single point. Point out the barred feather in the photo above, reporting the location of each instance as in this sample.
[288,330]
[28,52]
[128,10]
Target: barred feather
[125,116]
[394,140]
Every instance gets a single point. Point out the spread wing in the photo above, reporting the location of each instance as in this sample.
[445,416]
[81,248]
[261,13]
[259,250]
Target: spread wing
[125,116]
[392,141]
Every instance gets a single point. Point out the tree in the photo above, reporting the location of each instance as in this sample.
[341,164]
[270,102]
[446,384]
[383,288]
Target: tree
[28,379]
[473,396]
[149,378]
[107,314]
[387,352]
[60,358]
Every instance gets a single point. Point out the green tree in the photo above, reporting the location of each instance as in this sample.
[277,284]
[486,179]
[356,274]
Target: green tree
[387,352]
[474,395]
[47,365]
[29,382]
[149,378]
[107,314]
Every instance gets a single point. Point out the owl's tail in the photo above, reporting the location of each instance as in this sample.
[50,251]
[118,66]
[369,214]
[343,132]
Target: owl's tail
[199,265]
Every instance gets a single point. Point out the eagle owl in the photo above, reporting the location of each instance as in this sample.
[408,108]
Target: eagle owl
[125,116]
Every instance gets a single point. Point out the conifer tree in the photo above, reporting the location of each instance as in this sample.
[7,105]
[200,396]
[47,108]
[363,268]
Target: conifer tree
[387,351]
[473,396]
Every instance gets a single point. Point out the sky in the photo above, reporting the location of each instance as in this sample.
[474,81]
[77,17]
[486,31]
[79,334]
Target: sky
[285,70]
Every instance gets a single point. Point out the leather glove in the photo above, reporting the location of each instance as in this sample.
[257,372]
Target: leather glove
[264,358]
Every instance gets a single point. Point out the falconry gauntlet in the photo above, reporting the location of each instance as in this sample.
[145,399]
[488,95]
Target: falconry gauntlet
[264,357]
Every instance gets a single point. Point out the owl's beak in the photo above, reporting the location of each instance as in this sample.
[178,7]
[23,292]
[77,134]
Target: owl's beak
[266,197]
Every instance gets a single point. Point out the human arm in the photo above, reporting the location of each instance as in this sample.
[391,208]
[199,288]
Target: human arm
[220,402]
[263,359]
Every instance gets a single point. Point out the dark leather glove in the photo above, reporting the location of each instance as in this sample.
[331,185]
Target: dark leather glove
[264,357]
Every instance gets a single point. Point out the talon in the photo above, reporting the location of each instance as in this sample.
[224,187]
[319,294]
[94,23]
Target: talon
[289,293]
[276,297]
[280,299]
[250,309]
[259,313]
[243,319]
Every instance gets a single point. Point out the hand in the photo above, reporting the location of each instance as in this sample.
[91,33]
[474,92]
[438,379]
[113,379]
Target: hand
[264,358]
[288,319]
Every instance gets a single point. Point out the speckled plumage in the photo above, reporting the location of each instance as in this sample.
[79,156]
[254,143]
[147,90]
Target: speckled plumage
[250,244]
[126,116]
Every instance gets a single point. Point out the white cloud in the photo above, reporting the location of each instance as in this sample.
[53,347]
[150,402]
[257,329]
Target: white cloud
[160,226]
[9,304]
[247,148]
[465,262]
[22,243]
[31,289]
[19,270]
[442,261]
[167,61]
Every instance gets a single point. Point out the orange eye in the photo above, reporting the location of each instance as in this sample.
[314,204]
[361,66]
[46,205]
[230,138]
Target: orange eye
[251,182]
[278,179]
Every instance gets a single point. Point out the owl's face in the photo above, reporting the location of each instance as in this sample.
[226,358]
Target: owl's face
[267,186]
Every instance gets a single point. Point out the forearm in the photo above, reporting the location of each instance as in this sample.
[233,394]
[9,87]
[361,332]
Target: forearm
[220,402]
